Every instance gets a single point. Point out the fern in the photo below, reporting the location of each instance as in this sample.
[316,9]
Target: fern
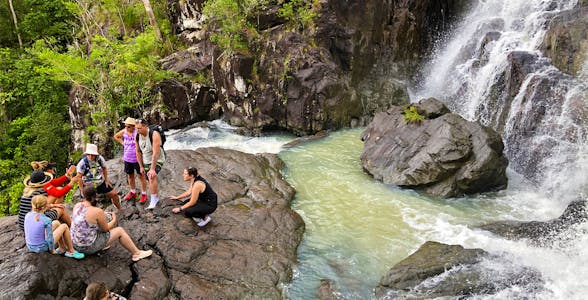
[411,115]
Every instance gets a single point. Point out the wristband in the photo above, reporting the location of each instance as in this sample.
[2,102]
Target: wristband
[180,208]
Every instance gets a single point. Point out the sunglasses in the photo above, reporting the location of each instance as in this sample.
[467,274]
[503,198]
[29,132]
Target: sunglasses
[129,126]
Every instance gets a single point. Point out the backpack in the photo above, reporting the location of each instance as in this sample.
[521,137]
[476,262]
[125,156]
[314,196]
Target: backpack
[88,168]
[151,129]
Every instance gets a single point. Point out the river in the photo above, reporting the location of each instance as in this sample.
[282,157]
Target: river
[358,228]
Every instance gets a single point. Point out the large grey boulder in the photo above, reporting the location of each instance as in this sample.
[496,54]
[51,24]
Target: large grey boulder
[444,155]
[247,251]
[440,270]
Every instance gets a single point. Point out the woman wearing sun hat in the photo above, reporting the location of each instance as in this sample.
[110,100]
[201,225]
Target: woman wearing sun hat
[33,187]
[126,137]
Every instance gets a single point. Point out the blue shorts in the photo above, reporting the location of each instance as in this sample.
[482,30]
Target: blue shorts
[38,248]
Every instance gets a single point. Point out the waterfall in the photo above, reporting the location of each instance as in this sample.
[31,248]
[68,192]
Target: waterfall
[491,69]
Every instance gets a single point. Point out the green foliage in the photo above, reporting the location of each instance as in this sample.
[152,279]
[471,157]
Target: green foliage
[119,74]
[231,19]
[37,19]
[101,46]
[302,12]
[411,115]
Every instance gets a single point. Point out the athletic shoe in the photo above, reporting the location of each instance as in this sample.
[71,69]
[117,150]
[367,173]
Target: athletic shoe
[152,203]
[59,251]
[130,196]
[75,254]
[142,254]
[204,221]
[143,198]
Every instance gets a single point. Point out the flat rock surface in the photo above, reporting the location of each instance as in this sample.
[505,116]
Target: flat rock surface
[247,251]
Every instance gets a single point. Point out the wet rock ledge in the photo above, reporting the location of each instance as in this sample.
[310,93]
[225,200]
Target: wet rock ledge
[247,251]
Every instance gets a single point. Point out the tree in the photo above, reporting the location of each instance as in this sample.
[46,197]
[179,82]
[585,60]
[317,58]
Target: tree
[15,23]
[152,19]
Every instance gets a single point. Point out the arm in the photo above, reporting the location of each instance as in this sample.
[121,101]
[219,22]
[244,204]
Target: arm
[139,155]
[156,145]
[118,137]
[59,181]
[182,195]
[49,234]
[57,191]
[104,225]
[196,189]
[156,151]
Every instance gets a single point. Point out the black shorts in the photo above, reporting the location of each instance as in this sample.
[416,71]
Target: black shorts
[157,167]
[102,188]
[132,168]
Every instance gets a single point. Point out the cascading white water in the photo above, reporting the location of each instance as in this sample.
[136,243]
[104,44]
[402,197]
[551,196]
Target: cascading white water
[554,154]
[465,72]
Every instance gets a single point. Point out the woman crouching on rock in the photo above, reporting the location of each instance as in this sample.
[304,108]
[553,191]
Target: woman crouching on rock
[203,199]
[92,232]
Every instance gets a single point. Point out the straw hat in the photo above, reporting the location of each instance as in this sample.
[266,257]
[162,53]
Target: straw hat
[91,149]
[130,121]
[37,179]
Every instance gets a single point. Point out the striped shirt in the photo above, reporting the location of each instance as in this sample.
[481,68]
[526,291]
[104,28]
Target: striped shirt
[26,206]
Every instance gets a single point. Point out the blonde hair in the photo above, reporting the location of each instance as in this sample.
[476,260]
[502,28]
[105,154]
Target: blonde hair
[39,202]
[39,165]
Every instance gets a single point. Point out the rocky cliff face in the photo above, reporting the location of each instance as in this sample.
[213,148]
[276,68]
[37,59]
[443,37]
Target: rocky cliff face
[310,79]
[247,251]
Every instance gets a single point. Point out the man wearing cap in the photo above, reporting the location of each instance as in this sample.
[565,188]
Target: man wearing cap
[126,137]
[92,171]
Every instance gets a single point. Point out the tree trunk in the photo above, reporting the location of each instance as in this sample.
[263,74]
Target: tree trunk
[16,23]
[152,19]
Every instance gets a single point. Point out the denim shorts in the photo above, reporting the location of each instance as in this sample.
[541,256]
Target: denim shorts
[39,248]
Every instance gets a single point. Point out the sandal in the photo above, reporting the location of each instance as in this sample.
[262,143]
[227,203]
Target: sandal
[142,254]
[75,254]
[59,251]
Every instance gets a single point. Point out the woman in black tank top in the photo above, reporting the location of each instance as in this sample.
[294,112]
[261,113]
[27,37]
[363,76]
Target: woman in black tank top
[202,199]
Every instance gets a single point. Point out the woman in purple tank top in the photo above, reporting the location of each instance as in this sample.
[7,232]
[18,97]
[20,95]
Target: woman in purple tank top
[126,137]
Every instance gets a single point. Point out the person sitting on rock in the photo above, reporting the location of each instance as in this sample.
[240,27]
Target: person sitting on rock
[41,233]
[92,232]
[126,137]
[92,171]
[57,188]
[33,187]
[202,201]
[99,291]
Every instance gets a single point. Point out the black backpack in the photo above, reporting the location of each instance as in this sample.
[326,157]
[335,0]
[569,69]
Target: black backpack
[151,129]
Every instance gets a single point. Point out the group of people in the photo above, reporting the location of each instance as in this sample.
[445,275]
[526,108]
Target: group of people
[47,224]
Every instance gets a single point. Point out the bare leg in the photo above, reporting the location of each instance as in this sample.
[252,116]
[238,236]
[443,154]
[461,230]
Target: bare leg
[153,186]
[55,224]
[143,182]
[58,234]
[131,178]
[63,216]
[118,233]
[114,198]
